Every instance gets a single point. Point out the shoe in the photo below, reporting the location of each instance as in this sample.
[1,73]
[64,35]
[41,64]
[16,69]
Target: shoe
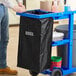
[8,70]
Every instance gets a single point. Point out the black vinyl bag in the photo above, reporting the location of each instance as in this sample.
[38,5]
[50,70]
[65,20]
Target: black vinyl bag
[35,42]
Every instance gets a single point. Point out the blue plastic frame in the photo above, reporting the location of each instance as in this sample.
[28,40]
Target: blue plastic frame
[69,41]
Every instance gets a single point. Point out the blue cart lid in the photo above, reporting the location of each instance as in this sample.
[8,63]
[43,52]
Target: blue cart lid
[43,14]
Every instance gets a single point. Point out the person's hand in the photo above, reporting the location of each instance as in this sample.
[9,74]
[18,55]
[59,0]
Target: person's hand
[19,8]
[20,4]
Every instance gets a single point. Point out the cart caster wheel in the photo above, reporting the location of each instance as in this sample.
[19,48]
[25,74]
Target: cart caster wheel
[33,73]
[56,72]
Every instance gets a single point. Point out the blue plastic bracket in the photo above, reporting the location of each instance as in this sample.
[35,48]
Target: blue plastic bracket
[70,45]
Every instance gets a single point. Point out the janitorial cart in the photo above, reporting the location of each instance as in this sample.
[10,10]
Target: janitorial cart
[35,41]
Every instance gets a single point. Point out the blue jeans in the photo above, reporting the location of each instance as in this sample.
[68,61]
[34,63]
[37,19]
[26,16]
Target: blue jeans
[4,35]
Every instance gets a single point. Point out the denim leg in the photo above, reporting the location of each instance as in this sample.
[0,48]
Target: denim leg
[4,36]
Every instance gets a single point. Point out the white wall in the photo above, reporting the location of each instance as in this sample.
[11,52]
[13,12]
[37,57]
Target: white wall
[13,18]
[32,4]
[72,4]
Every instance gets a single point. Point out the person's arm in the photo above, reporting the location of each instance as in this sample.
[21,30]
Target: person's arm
[8,3]
[17,8]
[20,2]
